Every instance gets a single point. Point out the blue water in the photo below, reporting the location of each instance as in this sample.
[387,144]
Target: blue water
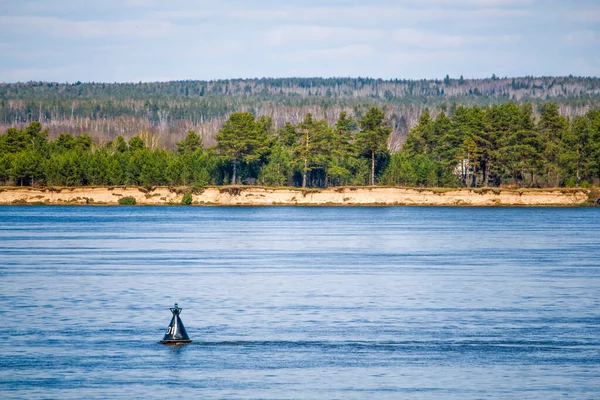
[348,303]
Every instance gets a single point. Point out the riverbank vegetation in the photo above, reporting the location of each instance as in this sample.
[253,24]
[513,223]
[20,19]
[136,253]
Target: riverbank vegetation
[499,145]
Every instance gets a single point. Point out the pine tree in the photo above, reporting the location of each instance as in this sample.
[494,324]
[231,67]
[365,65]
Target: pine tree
[373,136]
[241,139]
[552,127]
[191,143]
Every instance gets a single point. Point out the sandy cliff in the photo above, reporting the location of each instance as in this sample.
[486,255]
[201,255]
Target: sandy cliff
[258,196]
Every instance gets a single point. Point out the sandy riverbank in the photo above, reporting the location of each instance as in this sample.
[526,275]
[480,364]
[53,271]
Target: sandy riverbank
[259,196]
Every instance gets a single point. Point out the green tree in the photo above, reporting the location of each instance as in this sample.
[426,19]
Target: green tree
[448,144]
[6,163]
[241,139]
[577,150]
[477,144]
[277,170]
[313,147]
[120,145]
[114,172]
[303,148]
[64,142]
[519,148]
[94,167]
[136,143]
[400,171]
[203,166]
[14,141]
[426,170]
[190,144]
[38,137]
[341,149]
[343,135]
[63,169]
[22,167]
[231,139]
[373,136]
[552,128]
[593,146]
[84,142]
[261,139]
[287,135]
[417,139]
[177,172]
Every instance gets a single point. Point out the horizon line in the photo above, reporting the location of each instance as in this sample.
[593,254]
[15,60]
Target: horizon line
[492,77]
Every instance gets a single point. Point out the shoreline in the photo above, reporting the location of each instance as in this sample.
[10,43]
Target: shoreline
[337,196]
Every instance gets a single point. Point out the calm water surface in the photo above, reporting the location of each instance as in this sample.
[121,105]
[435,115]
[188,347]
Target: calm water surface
[348,303]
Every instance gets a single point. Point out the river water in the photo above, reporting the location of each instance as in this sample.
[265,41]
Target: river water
[293,302]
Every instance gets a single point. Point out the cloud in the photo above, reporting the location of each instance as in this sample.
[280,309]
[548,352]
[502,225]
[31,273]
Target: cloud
[423,38]
[352,52]
[309,35]
[372,14]
[355,14]
[66,29]
[582,38]
[232,38]
[437,56]
[298,35]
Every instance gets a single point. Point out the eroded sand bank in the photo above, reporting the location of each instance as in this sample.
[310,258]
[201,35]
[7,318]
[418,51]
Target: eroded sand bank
[259,196]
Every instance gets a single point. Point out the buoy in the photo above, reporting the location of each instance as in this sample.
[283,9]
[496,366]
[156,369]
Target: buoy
[176,333]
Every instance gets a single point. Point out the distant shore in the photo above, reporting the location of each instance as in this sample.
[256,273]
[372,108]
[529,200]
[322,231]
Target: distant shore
[337,196]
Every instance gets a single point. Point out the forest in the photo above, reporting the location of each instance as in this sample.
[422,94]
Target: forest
[504,145]
[169,109]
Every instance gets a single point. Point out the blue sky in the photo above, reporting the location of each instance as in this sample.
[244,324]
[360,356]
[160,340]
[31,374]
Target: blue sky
[157,40]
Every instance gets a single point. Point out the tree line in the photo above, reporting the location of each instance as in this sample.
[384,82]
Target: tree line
[169,109]
[500,145]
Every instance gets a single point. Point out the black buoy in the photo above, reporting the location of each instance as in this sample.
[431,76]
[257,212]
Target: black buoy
[176,333]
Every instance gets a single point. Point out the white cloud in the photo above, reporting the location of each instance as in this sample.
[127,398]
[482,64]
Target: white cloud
[357,14]
[373,14]
[298,35]
[424,38]
[329,54]
[55,27]
[310,35]
[582,38]
[232,38]
[440,56]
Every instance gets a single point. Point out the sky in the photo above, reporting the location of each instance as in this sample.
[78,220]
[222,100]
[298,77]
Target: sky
[161,40]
